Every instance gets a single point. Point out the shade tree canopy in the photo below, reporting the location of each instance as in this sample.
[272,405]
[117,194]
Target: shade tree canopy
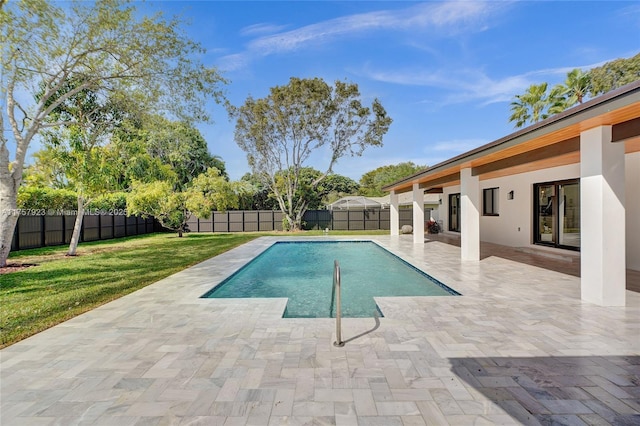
[172,207]
[614,74]
[105,46]
[372,182]
[280,132]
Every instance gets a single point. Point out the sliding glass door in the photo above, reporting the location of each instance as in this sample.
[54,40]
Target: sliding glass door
[546,222]
[557,214]
[569,215]
[454,212]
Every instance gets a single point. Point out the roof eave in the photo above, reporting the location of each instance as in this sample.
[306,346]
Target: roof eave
[612,100]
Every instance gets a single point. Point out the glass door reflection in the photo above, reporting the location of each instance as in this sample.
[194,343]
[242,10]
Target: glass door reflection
[546,232]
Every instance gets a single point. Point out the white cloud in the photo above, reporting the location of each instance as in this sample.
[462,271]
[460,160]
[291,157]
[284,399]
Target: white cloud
[449,17]
[260,29]
[233,62]
[472,84]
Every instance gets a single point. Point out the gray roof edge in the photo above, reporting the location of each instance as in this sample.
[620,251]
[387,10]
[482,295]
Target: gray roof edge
[567,117]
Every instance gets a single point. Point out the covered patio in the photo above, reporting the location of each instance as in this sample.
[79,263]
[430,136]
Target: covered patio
[566,263]
[591,143]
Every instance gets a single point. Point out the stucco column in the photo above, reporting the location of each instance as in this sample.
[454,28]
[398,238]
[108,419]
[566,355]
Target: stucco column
[602,218]
[418,214]
[394,214]
[469,216]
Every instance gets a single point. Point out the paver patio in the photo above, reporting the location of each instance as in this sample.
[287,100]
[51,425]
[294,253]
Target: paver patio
[519,347]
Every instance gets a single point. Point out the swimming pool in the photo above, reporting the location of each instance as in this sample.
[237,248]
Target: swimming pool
[302,271]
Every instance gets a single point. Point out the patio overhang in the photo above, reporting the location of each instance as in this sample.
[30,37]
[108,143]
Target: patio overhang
[595,135]
[549,143]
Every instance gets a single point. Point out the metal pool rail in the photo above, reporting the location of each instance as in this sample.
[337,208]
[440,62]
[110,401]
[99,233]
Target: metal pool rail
[336,295]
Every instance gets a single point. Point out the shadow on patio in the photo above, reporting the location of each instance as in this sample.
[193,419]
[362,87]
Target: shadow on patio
[556,390]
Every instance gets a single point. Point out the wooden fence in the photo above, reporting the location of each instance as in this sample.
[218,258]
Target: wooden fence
[45,230]
[267,220]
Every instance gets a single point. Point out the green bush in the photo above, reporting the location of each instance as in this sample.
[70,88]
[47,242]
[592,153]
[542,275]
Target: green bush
[107,202]
[42,197]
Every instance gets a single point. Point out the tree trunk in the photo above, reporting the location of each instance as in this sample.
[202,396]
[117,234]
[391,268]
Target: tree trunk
[75,237]
[8,220]
[8,214]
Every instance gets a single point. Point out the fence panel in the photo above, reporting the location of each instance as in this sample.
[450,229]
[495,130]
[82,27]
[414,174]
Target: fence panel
[220,222]
[69,224]
[385,219]
[317,219]
[236,221]
[405,216]
[372,220]
[250,221]
[40,231]
[106,227]
[53,230]
[266,220]
[131,225]
[91,228]
[30,233]
[205,225]
[141,225]
[340,220]
[119,226]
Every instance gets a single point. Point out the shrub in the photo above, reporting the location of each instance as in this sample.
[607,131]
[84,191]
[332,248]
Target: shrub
[42,197]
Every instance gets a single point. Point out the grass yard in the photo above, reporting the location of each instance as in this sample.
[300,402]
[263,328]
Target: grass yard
[59,288]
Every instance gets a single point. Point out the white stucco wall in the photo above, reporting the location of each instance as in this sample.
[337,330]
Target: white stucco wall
[514,224]
[632,200]
[518,213]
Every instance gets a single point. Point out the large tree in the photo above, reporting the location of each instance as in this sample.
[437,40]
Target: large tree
[371,183]
[281,131]
[614,74]
[181,146]
[173,207]
[78,145]
[105,46]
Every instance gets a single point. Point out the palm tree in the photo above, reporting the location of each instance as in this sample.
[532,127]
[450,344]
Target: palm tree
[577,86]
[557,99]
[530,107]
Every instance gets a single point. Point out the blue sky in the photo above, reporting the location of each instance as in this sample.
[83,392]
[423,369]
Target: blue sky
[444,71]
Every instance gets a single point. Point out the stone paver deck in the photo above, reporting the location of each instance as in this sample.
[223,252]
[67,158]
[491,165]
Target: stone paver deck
[519,347]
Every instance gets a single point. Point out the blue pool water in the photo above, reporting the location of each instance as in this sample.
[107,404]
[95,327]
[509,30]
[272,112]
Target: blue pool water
[303,272]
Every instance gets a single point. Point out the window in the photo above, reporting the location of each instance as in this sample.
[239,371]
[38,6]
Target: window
[490,202]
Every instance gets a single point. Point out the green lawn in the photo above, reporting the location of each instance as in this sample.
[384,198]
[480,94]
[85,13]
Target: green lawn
[60,287]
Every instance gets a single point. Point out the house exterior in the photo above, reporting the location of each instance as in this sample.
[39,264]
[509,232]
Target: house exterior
[568,183]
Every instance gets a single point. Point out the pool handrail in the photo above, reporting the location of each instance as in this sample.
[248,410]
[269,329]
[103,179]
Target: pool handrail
[336,294]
